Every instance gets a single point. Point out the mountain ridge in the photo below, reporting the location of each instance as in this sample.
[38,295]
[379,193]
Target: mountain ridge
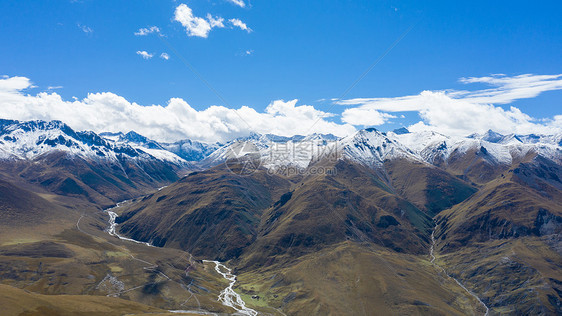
[430,147]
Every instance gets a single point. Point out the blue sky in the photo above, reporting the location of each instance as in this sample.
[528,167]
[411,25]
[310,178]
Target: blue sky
[312,51]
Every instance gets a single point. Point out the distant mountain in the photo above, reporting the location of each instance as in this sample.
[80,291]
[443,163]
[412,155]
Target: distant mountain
[191,150]
[188,150]
[131,138]
[53,156]
[464,156]
[477,158]
[274,151]
[31,139]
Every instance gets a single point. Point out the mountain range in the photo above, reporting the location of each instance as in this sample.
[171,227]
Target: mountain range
[29,140]
[394,222]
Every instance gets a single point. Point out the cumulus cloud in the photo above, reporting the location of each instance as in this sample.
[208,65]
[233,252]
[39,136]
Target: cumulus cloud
[239,3]
[201,27]
[144,54]
[14,84]
[176,120]
[147,30]
[454,112]
[165,56]
[451,112]
[216,21]
[238,23]
[366,117]
[194,26]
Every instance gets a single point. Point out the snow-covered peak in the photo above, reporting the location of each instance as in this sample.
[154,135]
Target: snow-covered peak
[112,136]
[274,151]
[27,140]
[191,150]
[31,139]
[419,141]
[371,147]
[492,146]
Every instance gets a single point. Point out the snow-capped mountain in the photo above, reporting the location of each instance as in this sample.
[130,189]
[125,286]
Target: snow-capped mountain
[132,137]
[372,148]
[191,150]
[188,150]
[28,140]
[52,156]
[274,151]
[496,148]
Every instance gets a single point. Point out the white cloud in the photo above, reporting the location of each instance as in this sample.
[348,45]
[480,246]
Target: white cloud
[194,26]
[366,117]
[239,3]
[464,112]
[201,27]
[215,21]
[508,89]
[249,52]
[85,29]
[14,84]
[54,87]
[449,112]
[165,56]
[177,120]
[145,54]
[240,24]
[148,30]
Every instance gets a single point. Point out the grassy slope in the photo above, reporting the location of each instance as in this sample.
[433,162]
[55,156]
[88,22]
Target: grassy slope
[430,188]
[43,250]
[15,301]
[294,227]
[504,242]
[27,216]
[355,279]
[323,210]
[213,214]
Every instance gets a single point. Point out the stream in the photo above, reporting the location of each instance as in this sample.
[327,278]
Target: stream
[432,256]
[228,297]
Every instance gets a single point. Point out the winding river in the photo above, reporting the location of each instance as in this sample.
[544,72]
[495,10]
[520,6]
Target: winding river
[228,297]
